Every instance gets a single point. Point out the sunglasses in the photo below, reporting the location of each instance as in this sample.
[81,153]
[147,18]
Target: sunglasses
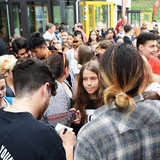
[51,51]
[77,44]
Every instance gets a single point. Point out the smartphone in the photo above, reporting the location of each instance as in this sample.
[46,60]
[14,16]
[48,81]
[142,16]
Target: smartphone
[71,115]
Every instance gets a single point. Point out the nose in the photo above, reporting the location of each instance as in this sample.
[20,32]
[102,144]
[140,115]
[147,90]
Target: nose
[89,82]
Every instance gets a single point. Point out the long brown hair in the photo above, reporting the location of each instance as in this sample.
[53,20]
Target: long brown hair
[90,40]
[82,98]
[122,73]
[84,54]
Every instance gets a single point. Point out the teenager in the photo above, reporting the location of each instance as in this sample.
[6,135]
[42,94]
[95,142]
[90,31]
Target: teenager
[86,99]
[127,126]
[60,104]
[7,63]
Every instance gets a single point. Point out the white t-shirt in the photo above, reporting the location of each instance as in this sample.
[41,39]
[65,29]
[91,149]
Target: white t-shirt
[154,87]
[47,35]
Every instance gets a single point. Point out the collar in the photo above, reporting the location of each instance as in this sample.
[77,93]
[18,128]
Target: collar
[137,99]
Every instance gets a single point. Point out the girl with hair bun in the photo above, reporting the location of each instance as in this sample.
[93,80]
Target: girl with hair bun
[127,126]
[7,63]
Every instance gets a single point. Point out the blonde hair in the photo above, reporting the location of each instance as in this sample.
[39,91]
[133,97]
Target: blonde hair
[122,73]
[7,62]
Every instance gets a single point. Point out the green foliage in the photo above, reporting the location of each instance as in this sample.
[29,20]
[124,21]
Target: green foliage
[145,6]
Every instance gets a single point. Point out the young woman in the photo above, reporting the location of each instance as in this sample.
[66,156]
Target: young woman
[93,37]
[78,34]
[83,55]
[127,126]
[7,63]
[57,111]
[111,35]
[87,99]
[70,40]
[5,102]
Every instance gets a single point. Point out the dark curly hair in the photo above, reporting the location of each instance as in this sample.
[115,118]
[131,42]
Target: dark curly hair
[30,74]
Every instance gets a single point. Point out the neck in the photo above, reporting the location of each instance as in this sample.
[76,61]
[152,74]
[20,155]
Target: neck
[92,96]
[127,35]
[28,106]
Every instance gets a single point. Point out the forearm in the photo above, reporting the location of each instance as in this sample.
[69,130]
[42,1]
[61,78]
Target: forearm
[69,152]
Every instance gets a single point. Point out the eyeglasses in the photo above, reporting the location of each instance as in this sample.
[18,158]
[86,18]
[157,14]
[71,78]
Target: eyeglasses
[3,89]
[93,34]
[63,57]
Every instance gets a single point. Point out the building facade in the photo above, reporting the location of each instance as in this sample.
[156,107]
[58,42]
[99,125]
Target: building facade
[25,16]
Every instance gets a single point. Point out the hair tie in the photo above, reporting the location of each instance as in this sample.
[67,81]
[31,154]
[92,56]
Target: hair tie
[119,94]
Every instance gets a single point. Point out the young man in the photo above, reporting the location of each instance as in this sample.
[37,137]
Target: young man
[147,46]
[128,32]
[19,47]
[26,138]
[50,29]
[37,45]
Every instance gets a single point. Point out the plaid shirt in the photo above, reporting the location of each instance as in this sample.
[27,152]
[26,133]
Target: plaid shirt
[115,134]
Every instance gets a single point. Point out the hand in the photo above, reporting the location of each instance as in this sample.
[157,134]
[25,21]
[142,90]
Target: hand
[77,121]
[79,66]
[68,139]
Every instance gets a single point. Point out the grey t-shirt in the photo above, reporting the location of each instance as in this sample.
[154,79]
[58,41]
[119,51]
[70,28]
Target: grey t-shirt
[57,111]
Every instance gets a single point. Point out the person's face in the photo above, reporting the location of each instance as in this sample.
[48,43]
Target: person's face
[99,27]
[93,36]
[90,82]
[2,88]
[94,46]
[23,54]
[58,46]
[39,52]
[64,37]
[124,20]
[70,40]
[76,53]
[75,27]
[149,49]
[79,36]
[110,34]
[52,30]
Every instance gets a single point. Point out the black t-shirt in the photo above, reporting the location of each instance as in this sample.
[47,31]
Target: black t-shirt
[127,40]
[22,137]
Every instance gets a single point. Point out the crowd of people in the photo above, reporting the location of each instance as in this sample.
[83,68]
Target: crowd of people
[103,88]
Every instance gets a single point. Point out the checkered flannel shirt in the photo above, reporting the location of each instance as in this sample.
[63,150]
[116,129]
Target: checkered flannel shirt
[115,134]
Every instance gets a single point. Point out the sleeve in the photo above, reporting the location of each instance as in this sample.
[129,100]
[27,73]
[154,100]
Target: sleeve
[82,152]
[117,26]
[155,66]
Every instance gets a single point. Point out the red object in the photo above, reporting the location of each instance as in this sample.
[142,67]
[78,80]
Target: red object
[118,25]
[156,5]
[155,65]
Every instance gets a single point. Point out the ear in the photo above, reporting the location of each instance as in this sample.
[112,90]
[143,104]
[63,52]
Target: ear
[44,47]
[66,70]
[45,89]
[5,73]
[140,47]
